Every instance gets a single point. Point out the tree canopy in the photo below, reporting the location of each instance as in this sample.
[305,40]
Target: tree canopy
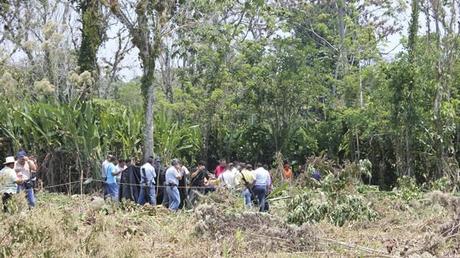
[241,80]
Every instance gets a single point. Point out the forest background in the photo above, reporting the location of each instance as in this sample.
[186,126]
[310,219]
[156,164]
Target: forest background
[241,80]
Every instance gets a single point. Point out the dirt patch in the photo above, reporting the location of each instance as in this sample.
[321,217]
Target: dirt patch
[262,232]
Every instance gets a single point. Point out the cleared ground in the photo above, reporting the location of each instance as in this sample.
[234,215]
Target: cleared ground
[86,226]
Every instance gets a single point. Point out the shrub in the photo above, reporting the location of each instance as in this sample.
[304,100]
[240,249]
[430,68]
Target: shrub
[408,189]
[311,207]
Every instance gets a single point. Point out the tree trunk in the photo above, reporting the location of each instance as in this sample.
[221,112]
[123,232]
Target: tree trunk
[147,84]
[167,76]
[150,54]
[438,97]
[410,113]
[342,56]
[91,37]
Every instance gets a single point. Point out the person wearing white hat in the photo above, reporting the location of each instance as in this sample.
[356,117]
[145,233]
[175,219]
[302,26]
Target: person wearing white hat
[8,182]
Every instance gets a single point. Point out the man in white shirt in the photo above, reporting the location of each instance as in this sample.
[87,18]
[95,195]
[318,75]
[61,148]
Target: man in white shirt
[228,177]
[148,189]
[121,166]
[25,169]
[8,182]
[172,177]
[262,183]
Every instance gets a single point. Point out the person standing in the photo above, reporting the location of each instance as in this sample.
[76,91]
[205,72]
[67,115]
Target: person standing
[148,183]
[246,177]
[26,170]
[8,182]
[262,184]
[173,175]
[220,168]
[184,183]
[198,179]
[287,171]
[104,165]
[227,178]
[121,166]
[111,181]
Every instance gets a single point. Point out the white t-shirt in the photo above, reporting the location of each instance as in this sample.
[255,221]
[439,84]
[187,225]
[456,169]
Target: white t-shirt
[22,171]
[149,175]
[104,168]
[171,176]
[228,178]
[262,177]
[185,170]
[119,169]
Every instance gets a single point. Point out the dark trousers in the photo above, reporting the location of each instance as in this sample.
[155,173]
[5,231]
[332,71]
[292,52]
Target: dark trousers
[260,191]
[6,197]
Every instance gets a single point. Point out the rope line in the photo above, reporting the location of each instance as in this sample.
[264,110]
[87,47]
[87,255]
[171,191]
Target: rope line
[159,186]
[69,183]
[128,184]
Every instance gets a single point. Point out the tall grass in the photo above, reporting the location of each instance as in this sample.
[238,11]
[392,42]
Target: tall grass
[86,131]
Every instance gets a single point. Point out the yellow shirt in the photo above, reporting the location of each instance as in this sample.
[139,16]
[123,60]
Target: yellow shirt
[248,176]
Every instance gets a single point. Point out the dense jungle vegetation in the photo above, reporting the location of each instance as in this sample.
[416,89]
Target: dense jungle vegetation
[241,80]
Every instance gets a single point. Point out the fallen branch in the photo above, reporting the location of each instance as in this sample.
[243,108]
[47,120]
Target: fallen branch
[353,246]
[279,198]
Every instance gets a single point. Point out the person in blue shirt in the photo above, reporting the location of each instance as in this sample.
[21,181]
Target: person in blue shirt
[172,177]
[148,189]
[111,181]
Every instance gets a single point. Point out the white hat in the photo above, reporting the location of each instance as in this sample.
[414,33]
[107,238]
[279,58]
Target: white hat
[9,160]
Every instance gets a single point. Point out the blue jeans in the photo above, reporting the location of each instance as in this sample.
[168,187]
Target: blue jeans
[147,192]
[174,197]
[247,198]
[29,195]
[112,191]
[259,192]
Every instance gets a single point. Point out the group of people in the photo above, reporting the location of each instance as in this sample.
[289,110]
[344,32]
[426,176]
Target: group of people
[173,186]
[18,175]
[254,184]
[178,186]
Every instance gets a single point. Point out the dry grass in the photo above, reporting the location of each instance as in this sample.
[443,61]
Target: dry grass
[63,226]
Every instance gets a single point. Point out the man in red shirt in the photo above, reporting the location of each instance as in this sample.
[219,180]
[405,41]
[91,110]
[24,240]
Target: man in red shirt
[220,168]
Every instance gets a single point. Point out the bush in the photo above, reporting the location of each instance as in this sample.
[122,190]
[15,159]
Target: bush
[443,184]
[408,189]
[311,207]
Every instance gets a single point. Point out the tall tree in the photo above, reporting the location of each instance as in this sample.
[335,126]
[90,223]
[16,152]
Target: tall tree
[154,21]
[410,112]
[92,33]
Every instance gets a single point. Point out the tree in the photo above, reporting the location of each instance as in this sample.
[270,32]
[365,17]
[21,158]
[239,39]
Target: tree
[154,22]
[92,34]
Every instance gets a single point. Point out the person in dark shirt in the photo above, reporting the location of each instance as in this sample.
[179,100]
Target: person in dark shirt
[198,181]
[198,177]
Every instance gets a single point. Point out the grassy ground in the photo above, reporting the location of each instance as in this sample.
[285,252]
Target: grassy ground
[74,226]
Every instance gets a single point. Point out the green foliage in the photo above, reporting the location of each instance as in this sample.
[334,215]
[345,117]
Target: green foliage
[129,94]
[175,140]
[339,196]
[315,206]
[93,31]
[250,79]
[408,189]
[442,184]
[91,129]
